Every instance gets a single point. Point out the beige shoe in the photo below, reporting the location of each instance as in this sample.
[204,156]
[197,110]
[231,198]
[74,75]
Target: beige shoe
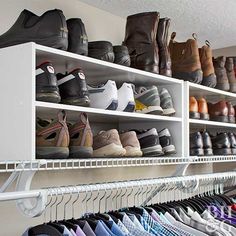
[131,144]
[107,144]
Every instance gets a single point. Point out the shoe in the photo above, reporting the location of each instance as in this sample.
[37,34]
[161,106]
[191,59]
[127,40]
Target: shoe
[126,98]
[196,144]
[149,142]
[46,84]
[221,76]
[209,77]
[121,55]
[166,102]
[52,138]
[185,60]
[218,111]
[108,144]
[166,142]
[193,108]
[147,100]
[140,39]
[131,144]
[101,50]
[104,96]
[81,138]
[221,144]
[203,109]
[229,66]
[232,140]
[231,113]
[48,29]
[73,88]
[207,144]
[162,41]
[77,37]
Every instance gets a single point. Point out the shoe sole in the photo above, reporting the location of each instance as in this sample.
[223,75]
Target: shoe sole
[52,152]
[133,151]
[208,152]
[204,116]
[194,115]
[209,81]
[157,110]
[111,150]
[48,97]
[85,102]
[197,152]
[231,119]
[168,150]
[168,112]
[222,151]
[233,150]
[224,87]
[194,76]
[80,152]
[220,118]
[152,151]
[232,88]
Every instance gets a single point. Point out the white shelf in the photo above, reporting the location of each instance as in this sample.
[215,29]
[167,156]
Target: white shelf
[201,123]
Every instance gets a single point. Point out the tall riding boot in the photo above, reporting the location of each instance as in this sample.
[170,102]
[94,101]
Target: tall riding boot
[140,38]
[162,41]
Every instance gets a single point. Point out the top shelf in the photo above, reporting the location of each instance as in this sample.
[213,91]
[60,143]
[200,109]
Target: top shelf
[98,70]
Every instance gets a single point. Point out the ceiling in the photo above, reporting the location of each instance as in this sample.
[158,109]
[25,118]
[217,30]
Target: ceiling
[212,20]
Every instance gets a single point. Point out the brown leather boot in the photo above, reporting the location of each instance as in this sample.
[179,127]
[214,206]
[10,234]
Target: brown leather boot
[193,108]
[203,109]
[185,60]
[209,77]
[218,111]
[231,112]
[162,41]
[140,38]
[229,66]
[221,76]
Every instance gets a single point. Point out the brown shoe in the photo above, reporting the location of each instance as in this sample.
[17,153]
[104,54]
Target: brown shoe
[218,111]
[193,108]
[221,76]
[231,112]
[140,39]
[185,60]
[209,77]
[107,144]
[52,138]
[203,109]
[81,138]
[131,144]
[229,66]
[162,41]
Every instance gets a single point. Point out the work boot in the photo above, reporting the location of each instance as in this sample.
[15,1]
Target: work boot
[185,60]
[229,66]
[162,41]
[221,76]
[140,38]
[209,77]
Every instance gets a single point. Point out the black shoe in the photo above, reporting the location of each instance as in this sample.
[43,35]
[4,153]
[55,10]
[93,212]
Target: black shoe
[121,55]
[49,29]
[196,144]
[232,140]
[221,144]
[207,145]
[77,37]
[46,84]
[73,88]
[166,142]
[101,50]
[149,142]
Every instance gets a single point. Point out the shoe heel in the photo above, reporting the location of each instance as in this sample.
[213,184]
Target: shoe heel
[196,152]
[222,151]
[85,102]
[52,152]
[204,116]
[113,106]
[208,152]
[194,115]
[130,107]
[231,119]
[80,152]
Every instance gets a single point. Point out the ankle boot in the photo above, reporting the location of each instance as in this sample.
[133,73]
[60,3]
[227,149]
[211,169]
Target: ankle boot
[229,66]
[209,77]
[221,76]
[140,38]
[185,60]
[164,54]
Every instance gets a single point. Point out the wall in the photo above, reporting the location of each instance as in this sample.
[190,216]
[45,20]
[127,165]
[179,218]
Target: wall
[229,51]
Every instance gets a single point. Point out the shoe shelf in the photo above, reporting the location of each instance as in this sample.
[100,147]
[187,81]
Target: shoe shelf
[210,124]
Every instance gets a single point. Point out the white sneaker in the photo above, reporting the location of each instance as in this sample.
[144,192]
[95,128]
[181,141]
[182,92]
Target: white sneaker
[104,96]
[126,98]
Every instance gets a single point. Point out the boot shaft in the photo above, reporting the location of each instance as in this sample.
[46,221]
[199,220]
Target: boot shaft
[205,54]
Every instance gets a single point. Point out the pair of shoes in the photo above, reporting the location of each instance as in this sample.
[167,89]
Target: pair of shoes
[155,143]
[111,144]
[107,96]
[54,140]
[146,37]
[200,144]
[191,63]
[224,68]
[148,100]
[198,109]
[69,89]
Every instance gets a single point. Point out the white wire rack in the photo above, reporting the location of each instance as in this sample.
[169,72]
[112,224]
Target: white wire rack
[68,164]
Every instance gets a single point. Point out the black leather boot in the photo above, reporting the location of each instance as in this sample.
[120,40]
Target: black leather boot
[196,144]
[50,30]
[77,37]
[140,38]
[207,145]
[121,55]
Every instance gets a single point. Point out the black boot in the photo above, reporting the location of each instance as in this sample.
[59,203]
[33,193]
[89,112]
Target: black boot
[196,144]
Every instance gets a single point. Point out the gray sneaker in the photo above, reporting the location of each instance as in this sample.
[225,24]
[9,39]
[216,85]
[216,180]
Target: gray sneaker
[166,102]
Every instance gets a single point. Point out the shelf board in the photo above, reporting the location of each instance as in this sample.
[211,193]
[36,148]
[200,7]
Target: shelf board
[200,123]
[49,110]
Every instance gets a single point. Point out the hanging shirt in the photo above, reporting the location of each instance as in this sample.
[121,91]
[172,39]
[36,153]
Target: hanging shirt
[86,228]
[145,225]
[123,228]
[66,231]
[221,215]
[107,229]
[100,230]
[79,231]
[115,228]
[135,221]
